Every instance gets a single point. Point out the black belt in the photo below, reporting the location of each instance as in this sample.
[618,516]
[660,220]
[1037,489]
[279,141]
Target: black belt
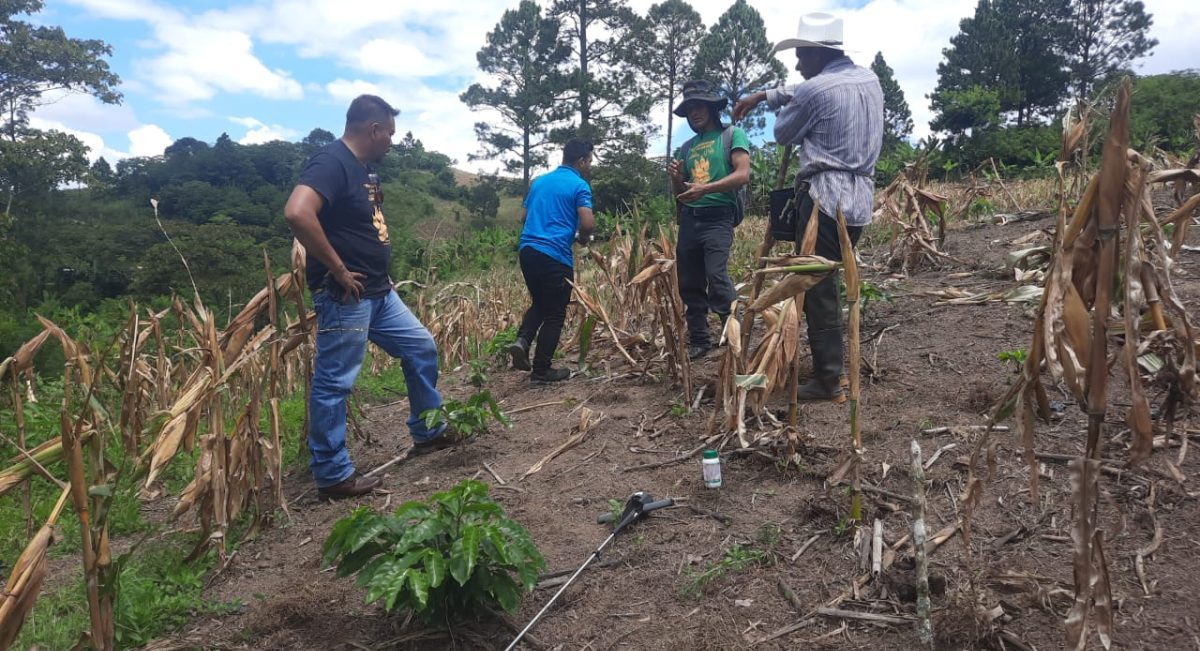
[708,212]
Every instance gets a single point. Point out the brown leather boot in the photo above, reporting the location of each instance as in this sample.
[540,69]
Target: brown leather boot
[356,486]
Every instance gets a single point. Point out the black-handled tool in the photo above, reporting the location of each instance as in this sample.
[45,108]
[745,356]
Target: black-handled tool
[646,507]
[636,508]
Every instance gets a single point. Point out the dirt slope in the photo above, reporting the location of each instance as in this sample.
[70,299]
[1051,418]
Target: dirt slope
[934,366]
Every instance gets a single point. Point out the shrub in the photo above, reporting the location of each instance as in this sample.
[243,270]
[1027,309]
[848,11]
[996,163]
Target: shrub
[453,554]
[467,418]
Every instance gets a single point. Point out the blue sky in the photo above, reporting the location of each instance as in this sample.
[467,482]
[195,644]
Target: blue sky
[275,69]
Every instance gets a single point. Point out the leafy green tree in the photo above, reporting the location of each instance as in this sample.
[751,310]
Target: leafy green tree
[101,177]
[525,56]
[316,139]
[613,108]
[1105,36]
[897,118]
[36,60]
[1009,47]
[34,162]
[667,47]
[736,55]
[971,108]
[1162,111]
[483,199]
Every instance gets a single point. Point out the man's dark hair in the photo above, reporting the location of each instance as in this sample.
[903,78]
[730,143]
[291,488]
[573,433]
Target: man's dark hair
[715,114]
[576,148]
[366,109]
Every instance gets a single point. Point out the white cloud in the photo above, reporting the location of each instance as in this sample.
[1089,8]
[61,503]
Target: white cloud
[144,140]
[93,141]
[421,55]
[201,54]
[344,91]
[257,132]
[148,140]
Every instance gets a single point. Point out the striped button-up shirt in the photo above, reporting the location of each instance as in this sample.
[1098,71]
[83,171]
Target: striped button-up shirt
[836,119]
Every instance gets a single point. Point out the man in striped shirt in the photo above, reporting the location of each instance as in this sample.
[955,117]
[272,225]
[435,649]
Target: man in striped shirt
[835,119]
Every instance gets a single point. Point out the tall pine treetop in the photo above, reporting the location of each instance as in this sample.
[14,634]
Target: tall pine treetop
[897,118]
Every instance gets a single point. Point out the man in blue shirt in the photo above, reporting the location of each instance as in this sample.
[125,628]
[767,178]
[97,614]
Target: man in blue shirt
[558,210]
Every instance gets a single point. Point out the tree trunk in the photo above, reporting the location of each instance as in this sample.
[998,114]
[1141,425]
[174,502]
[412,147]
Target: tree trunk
[525,158]
[585,108]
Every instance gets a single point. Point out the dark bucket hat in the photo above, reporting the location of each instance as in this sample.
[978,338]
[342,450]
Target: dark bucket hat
[699,90]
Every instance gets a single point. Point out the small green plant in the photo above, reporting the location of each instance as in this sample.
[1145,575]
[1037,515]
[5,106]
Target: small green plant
[453,554]
[737,558]
[679,409]
[769,534]
[497,347]
[981,207]
[842,526]
[467,418]
[1014,357]
[615,507]
[478,376]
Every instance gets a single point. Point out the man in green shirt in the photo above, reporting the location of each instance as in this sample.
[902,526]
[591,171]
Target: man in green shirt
[706,173]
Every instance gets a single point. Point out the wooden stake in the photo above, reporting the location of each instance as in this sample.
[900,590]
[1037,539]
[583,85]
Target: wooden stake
[925,626]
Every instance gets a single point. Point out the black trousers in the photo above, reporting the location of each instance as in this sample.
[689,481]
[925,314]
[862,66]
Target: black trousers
[822,304]
[702,256]
[547,281]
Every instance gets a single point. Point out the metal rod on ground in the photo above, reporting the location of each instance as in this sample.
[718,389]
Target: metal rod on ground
[638,505]
[536,618]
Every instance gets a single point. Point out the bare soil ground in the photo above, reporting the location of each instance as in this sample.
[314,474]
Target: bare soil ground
[933,366]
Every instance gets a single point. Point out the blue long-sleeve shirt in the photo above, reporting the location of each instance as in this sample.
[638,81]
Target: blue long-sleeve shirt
[836,121]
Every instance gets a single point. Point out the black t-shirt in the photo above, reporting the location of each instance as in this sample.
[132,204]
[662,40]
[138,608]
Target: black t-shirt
[352,218]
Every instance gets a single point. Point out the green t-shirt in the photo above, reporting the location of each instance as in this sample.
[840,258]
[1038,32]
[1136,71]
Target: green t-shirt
[707,162]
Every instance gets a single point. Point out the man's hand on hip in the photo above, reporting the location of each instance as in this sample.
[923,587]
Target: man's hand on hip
[351,281]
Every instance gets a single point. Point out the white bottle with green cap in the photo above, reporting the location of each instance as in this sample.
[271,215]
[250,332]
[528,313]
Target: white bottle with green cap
[712,469]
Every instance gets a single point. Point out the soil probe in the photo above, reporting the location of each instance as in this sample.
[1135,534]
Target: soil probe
[639,504]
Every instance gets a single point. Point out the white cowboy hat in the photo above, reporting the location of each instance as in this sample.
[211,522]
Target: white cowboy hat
[816,30]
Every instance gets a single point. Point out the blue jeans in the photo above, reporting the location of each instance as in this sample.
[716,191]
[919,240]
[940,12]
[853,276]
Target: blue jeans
[342,334]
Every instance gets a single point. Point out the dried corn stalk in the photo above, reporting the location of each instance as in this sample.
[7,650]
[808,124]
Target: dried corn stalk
[25,580]
[1071,335]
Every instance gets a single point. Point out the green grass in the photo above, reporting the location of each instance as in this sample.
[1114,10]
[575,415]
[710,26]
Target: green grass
[156,596]
[157,592]
[737,559]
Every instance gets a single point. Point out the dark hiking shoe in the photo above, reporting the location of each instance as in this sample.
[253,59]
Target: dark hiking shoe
[548,375]
[519,351]
[697,351]
[356,486]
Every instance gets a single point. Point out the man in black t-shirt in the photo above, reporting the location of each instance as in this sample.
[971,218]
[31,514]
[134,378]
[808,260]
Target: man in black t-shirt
[336,212]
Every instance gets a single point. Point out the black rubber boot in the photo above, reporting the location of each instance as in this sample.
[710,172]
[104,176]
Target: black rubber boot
[823,312]
[545,376]
[826,383]
[519,351]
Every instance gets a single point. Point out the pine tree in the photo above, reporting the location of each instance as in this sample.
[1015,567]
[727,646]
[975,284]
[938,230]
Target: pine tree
[613,108]
[1009,48]
[1105,36]
[525,55]
[668,45]
[736,55]
[897,118]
